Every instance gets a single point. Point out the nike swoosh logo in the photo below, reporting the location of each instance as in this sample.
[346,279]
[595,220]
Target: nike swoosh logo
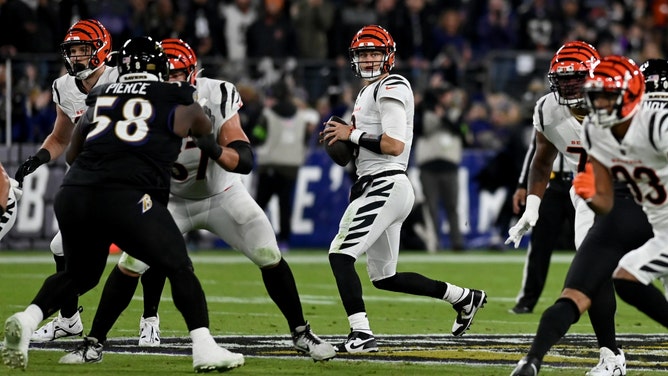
[389,87]
[72,325]
[361,344]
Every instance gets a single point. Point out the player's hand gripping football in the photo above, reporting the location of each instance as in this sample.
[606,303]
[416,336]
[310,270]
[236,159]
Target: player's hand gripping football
[526,222]
[584,183]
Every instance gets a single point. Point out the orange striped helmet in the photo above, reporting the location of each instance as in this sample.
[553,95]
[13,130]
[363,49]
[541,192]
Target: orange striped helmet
[569,69]
[372,38]
[181,57]
[618,79]
[93,34]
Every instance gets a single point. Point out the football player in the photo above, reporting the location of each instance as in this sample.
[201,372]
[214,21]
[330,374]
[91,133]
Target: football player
[84,50]
[627,141]
[207,193]
[116,191]
[10,194]
[588,284]
[557,121]
[382,196]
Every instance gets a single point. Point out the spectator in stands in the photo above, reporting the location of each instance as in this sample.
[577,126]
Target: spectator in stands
[237,16]
[203,31]
[451,46]
[538,28]
[284,134]
[312,18]
[439,147]
[272,34]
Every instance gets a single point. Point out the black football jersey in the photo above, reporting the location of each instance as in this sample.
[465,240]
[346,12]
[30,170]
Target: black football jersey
[130,143]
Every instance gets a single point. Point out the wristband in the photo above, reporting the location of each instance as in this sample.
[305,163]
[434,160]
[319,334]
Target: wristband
[533,203]
[355,136]
[43,155]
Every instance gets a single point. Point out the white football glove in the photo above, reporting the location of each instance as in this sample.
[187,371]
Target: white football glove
[527,221]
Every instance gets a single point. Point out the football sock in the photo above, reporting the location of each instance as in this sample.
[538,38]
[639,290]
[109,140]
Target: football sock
[454,293]
[359,322]
[413,283]
[69,306]
[202,335]
[116,296]
[152,281]
[35,312]
[554,323]
[647,298]
[281,286]
[348,282]
[602,316]
[189,298]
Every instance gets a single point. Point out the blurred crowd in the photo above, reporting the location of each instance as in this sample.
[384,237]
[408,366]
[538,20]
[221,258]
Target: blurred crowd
[492,53]
[476,66]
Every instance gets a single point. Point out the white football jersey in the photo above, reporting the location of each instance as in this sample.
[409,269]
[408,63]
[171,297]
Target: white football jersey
[655,100]
[68,95]
[195,176]
[640,159]
[366,117]
[560,127]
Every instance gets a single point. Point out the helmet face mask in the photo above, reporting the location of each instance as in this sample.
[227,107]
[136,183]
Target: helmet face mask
[181,58]
[369,39]
[85,33]
[656,75]
[142,59]
[569,69]
[613,91]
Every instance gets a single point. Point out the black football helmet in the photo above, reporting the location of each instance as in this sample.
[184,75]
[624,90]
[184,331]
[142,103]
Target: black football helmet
[142,59]
[656,75]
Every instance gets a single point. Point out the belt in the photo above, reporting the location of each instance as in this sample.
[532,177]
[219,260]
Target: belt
[565,176]
[360,185]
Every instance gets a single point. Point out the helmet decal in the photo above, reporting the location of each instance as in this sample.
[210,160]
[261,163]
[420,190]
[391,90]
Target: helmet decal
[568,70]
[181,57]
[94,35]
[620,79]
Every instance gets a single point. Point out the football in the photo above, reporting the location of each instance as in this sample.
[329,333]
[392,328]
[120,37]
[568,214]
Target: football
[341,152]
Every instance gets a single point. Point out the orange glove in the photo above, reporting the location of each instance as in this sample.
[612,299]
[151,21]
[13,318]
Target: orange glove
[585,183]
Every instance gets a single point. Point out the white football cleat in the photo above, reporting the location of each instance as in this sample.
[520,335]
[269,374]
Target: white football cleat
[59,327]
[609,364]
[307,342]
[17,340]
[209,357]
[149,332]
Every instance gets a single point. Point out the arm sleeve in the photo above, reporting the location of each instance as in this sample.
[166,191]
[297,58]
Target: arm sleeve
[393,118]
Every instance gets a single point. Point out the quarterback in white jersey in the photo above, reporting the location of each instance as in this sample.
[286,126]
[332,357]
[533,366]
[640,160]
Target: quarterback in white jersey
[382,197]
[207,193]
[84,50]
[557,119]
[628,141]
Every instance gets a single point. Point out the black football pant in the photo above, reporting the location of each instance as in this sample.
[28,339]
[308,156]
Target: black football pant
[91,219]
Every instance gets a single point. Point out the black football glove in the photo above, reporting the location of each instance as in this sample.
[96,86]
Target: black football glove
[30,165]
[209,146]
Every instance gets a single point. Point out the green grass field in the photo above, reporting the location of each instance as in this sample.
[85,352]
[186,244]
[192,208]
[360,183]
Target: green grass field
[239,307]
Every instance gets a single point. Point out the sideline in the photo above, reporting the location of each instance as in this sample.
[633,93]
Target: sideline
[311,257]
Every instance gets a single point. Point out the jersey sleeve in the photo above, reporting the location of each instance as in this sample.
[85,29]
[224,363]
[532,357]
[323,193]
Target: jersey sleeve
[224,100]
[658,130]
[394,87]
[539,114]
